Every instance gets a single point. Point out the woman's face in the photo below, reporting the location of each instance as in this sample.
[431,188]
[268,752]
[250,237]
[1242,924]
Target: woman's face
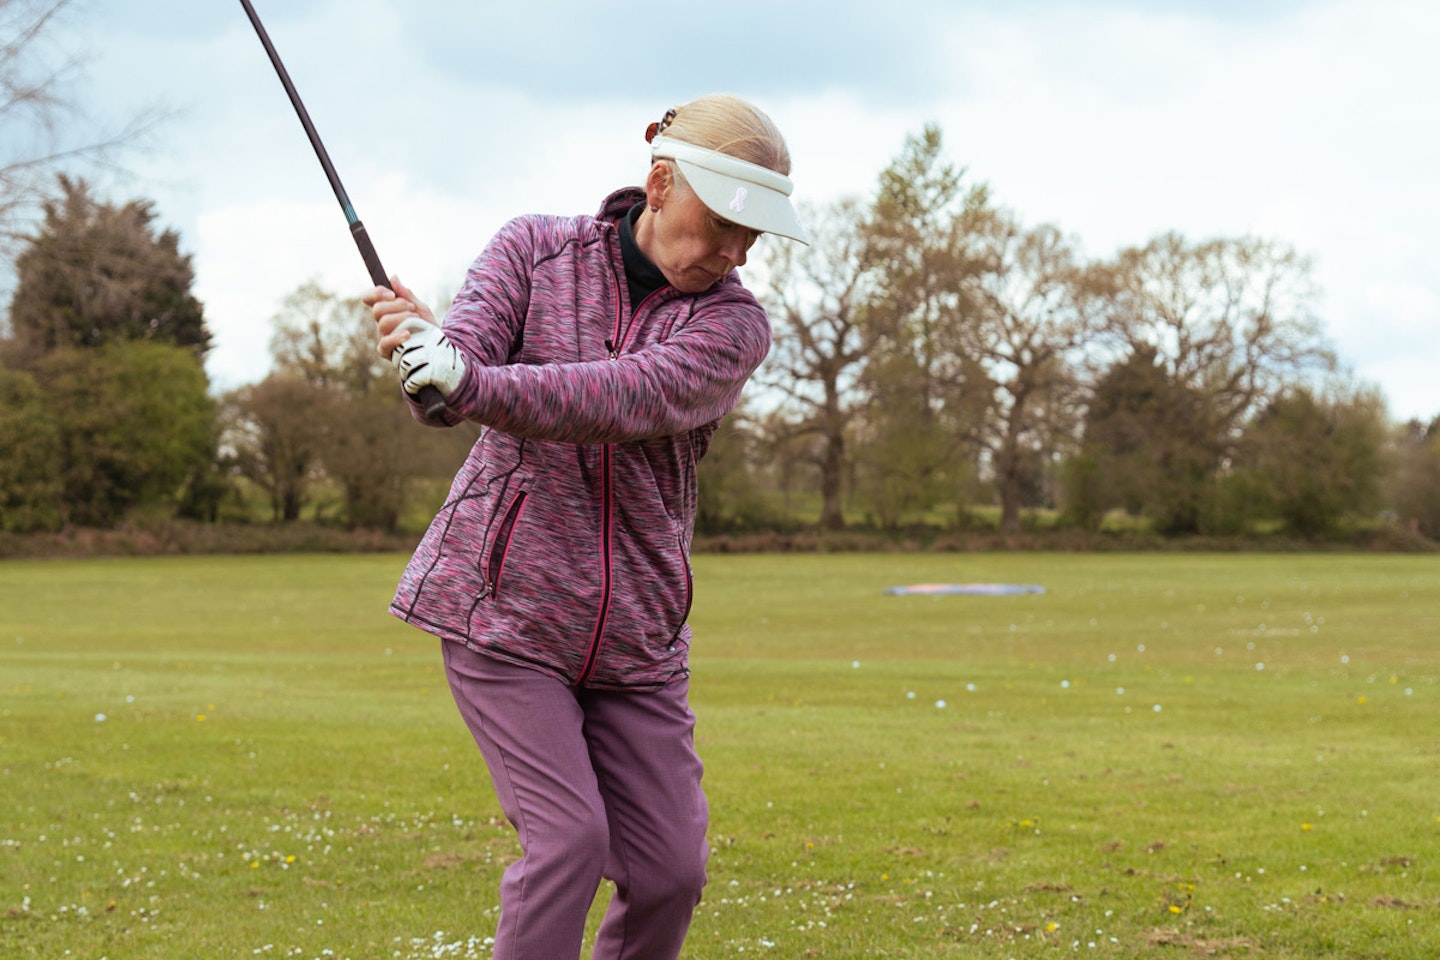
[692,246]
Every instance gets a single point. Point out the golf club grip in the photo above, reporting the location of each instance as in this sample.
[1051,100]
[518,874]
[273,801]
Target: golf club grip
[429,396]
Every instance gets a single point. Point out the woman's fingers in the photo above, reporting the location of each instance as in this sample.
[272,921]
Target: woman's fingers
[392,307]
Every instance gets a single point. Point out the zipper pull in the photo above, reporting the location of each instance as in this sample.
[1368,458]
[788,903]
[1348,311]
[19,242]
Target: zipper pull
[610,349]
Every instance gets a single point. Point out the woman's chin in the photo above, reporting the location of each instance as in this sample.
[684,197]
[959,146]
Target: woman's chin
[695,280]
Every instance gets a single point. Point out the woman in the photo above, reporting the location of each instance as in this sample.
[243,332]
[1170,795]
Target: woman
[599,353]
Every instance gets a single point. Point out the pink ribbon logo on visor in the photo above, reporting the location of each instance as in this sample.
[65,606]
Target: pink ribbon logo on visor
[738,204]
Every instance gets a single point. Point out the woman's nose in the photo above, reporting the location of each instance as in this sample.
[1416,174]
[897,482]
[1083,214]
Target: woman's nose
[734,249]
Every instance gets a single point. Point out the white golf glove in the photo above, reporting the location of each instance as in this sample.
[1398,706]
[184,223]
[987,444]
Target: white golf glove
[427,357]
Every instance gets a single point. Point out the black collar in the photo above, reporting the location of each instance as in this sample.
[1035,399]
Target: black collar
[641,275]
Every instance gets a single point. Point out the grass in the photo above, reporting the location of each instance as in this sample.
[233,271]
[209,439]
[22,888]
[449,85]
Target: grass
[1161,756]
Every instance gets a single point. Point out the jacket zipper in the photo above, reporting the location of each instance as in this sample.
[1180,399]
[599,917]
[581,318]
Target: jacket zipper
[612,349]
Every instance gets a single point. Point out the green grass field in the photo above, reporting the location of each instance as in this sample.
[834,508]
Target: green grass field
[1161,756]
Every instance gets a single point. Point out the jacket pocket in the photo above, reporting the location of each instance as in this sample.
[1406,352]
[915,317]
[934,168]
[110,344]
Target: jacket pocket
[500,545]
[689,594]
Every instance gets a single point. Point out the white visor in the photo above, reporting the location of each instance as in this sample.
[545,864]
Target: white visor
[734,189]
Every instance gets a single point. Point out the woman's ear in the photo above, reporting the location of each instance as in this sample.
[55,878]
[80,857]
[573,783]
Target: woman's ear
[657,184]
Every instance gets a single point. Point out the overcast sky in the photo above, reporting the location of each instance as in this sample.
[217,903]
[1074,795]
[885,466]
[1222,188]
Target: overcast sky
[1312,123]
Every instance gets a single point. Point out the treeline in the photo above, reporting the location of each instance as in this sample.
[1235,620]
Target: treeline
[934,353]
[106,413]
[934,358]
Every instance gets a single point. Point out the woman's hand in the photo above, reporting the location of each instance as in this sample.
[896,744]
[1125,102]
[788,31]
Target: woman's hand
[392,308]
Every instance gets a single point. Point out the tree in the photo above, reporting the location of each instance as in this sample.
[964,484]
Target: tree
[327,340]
[1317,459]
[276,428]
[1230,318]
[906,461]
[332,412]
[31,473]
[373,449]
[136,423]
[1228,323]
[816,297]
[42,129]
[1036,311]
[731,495]
[370,446]
[926,395]
[103,317]
[99,273]
[1151,442]
[1417,479]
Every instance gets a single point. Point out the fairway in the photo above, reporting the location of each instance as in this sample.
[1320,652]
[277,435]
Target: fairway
[1162,755]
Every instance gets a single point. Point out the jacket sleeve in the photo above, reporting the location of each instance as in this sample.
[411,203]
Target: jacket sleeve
[487,316]
[690,379]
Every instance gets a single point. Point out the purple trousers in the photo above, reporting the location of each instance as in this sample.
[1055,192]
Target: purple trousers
[599,784]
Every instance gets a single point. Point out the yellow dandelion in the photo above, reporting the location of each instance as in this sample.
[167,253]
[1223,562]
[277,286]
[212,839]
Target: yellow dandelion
[1360,700]
[254,864]
[1305,826]
[1175,909]
[290,859]
[1051,927]
[199,718]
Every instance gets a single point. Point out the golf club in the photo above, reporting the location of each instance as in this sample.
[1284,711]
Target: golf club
[429,397]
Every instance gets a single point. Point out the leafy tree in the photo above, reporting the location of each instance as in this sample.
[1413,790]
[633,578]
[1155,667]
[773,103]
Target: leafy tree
[372,450]
[98,274]
[731,496]
[136,423]
[1318,459]
[927,398]
[1151,442]
[906,461]
[31,474]
[276,430]
[331,412]
[1417,479]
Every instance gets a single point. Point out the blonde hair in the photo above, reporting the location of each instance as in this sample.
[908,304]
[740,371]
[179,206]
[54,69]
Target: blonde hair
[730,125]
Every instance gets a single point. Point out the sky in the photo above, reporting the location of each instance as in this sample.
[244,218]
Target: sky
[1312,124]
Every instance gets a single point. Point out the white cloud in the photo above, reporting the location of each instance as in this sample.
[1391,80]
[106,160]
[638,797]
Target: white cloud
[1308,122]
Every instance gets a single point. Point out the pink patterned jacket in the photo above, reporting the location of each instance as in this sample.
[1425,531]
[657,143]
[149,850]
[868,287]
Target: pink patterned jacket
[564,543]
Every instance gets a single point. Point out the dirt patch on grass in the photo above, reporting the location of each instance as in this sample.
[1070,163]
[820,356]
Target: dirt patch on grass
[1200,946]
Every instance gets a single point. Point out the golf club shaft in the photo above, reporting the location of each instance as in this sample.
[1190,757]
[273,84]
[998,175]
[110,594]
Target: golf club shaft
[429,397]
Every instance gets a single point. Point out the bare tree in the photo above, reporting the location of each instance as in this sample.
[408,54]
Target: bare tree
[331,417]
[42,129]
[1231,318]
[327,340]
[1035,316]
[816,297]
